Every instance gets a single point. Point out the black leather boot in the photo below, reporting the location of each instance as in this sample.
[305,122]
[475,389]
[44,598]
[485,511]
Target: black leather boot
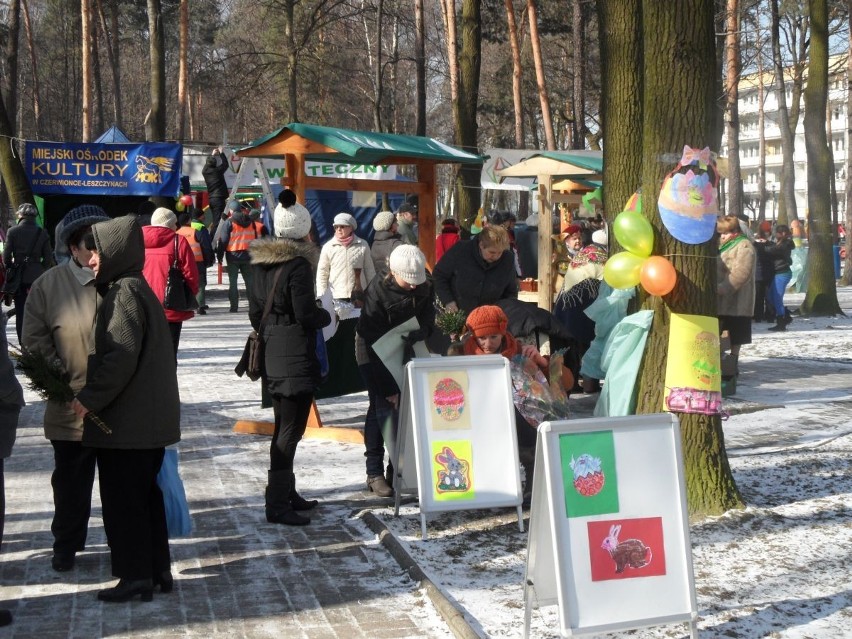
[127,589]
[780,324]
[296,500]
[279,510]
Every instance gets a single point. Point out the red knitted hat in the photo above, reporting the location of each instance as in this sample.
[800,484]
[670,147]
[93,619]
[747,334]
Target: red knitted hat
[487,320]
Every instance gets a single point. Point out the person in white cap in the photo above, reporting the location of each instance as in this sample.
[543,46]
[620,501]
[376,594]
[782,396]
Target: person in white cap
[162,247]
[385,239]
[345,264]
[283,269]
[404,293]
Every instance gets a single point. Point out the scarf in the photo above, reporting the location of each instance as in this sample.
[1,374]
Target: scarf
[732,242]
[346,241]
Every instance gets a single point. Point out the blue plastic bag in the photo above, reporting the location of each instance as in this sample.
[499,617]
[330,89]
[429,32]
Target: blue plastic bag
[174,497]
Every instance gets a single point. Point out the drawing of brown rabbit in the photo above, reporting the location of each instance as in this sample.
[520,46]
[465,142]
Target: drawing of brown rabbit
[630,552]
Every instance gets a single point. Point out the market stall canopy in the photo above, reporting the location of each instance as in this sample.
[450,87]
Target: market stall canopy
[586,165]
[329,144]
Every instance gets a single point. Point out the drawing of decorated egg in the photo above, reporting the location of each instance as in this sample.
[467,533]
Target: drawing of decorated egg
[588,476]
[448,399]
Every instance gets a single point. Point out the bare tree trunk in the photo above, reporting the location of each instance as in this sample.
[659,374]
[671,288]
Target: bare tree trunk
[470,60]
[377,105]
[579,102]
[619,22]
[448,8]
[97,85]
[34,65]
[11,169]
[11,83]
[761,132]
[292,61]
[86,38]
[517,74]
[787,208]
[732,94]
[821,297]
[111,40]
[420,67]
[546,120]
[155,123]
[183,69]
[847,267]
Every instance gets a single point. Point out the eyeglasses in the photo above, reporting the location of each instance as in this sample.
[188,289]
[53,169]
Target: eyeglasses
[337,227]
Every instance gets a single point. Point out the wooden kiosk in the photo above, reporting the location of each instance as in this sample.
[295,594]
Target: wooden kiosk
[297,143]
[554,169]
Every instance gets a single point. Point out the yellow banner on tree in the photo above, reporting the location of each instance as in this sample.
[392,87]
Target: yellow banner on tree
[694,357]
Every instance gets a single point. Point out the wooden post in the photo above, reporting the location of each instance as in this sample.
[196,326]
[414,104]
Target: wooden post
[426,211]
[294,166]
[545,243]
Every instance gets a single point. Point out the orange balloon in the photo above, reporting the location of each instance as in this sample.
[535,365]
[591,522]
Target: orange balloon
[658,276]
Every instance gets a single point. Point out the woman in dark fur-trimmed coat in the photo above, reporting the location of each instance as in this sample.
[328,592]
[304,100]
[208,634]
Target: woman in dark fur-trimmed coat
[291,370]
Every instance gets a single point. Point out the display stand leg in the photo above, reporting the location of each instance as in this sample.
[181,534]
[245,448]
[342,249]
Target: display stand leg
[527,611]
[423,532]
[693,629]
[397,497]
[521,518]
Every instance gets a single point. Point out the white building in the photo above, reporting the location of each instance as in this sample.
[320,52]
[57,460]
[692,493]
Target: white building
[749,108]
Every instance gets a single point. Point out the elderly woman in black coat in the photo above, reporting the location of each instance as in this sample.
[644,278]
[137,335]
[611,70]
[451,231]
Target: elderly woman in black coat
[133,363]
[283,279]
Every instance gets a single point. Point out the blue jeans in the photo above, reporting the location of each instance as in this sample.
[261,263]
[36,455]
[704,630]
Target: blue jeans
[776,292]
[380,424]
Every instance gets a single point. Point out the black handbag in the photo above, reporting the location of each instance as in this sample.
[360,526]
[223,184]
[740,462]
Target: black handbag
[178,295]
[251,362]
[15,272]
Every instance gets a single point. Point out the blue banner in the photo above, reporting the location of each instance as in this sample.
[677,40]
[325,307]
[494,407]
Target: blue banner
[146,169]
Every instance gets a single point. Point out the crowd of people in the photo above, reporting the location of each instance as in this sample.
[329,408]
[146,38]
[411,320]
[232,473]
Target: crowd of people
[101,313]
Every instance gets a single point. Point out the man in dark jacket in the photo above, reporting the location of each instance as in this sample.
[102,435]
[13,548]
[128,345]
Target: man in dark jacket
[131,385]
[217,189]
[27,245]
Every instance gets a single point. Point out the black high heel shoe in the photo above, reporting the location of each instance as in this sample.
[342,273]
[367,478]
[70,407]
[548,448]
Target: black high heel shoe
[165,581]
[127,589]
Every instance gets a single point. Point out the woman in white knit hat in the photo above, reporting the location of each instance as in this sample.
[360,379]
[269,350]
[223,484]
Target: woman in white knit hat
[283,268]
[404,293]
[385,240]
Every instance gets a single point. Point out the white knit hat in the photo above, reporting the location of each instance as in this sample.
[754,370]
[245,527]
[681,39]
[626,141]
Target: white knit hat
[409,263]
[294,222]
[164,217]
[344,219]
[384,221]
[600,237]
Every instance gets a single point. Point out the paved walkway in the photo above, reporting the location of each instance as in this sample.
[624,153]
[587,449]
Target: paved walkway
[237,575]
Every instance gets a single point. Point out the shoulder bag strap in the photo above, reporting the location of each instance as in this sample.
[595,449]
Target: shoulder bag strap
[33,245]
[268,306]
[175,262]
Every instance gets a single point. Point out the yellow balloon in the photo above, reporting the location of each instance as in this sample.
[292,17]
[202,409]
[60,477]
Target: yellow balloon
[623,269]
[179,206]
[634,232]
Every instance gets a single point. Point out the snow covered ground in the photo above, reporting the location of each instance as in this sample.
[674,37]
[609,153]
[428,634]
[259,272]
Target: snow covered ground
[780,568]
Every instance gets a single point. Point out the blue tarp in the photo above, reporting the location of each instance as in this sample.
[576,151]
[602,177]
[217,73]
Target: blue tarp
[113,135]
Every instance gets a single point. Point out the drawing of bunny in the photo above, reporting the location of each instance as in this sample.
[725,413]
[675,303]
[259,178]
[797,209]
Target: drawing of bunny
[630,552]
[453,476]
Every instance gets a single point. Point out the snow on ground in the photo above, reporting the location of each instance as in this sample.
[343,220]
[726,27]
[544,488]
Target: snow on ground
[779,568]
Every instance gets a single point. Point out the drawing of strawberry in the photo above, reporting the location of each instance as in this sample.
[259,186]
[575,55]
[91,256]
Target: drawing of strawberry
[588,476]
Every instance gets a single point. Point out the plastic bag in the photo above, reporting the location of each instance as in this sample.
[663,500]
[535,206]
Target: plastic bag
[174,497]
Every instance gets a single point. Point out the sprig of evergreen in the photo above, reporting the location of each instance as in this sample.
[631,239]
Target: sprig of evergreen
[450,322]
[49,380]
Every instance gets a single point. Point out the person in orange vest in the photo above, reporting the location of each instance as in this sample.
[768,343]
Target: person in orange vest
[237,234]
[254,214]
[191,226]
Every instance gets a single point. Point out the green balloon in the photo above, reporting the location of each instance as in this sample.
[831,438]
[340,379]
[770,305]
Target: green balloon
[623,270]
[634,232]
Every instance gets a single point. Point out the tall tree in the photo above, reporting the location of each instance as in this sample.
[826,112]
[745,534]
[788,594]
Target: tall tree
[28,29]
[517,73]
[620,25]
[420,67]
[111,39]
[821,297]
[86,37]
[732,96]
[11,169]
[578,33]
[538,61]
[787,209]
[183,69]
[470,60]
[847,267]
[11,81]
[679,109]
[155,122]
